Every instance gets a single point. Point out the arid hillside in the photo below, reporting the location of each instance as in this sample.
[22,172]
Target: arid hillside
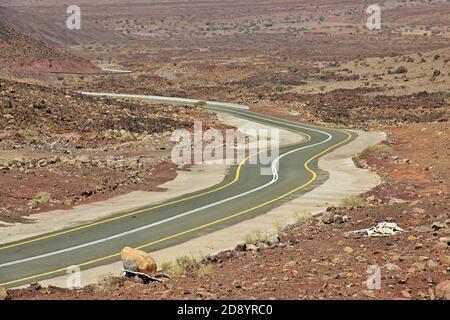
[21,52]
[52,29]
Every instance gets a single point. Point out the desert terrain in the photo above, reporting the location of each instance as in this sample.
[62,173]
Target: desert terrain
[308,61]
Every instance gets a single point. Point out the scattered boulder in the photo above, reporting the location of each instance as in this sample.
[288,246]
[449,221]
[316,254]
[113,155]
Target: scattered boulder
[139,260]
[274,240]
[327,217]
[261,245]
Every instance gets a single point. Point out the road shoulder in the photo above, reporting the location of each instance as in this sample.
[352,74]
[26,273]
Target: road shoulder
[344,179]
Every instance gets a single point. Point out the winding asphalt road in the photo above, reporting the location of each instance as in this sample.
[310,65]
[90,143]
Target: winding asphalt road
[243,194]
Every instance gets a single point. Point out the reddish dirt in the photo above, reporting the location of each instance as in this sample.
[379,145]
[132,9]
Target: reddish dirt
[21,52]
[69,185]
[412,262]
[79,149]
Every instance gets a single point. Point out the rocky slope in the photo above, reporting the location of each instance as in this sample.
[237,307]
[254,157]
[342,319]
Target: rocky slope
[59,148]
[21,52]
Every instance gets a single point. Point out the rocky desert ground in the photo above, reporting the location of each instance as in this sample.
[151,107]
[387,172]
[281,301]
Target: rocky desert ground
[311,61]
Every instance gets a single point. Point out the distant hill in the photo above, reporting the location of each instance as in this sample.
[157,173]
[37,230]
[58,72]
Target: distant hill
[22,52]
[50,31]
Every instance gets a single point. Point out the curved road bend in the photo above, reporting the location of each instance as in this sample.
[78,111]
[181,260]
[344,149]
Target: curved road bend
[243,194]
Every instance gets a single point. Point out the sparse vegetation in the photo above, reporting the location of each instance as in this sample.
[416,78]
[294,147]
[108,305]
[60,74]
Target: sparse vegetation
[166,266]
[352,201]
[380,149]
[107,283]
[278,225]
[302,216]
[41,198]
[181,264]
[205,271]
[255,236]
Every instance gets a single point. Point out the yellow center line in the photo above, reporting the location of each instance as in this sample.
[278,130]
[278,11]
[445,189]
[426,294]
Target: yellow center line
[90,225]
[306,165]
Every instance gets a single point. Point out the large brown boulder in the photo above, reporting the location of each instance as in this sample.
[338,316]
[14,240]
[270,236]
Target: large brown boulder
[139,261]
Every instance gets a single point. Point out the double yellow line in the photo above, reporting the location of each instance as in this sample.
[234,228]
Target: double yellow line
[236,178]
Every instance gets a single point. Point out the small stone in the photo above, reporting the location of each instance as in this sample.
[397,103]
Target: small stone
[432,265]
[138,279]
[273,240]
[445,260]
[251,247]
[261,245]
[443,290]
[369,293]
[348,250]
[169,286]
[419,266]
[440,247]
[291,264]
[338,219]
[7,104]
[438,225]
[411,238]
[4,294]
[35,286]
[402,278]
[392,267]
[431,294]
[394,201]
[406,294]
[327,217]
[130,266]
[292,273]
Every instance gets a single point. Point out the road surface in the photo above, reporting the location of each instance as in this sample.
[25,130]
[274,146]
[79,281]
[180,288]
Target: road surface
[243,194]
